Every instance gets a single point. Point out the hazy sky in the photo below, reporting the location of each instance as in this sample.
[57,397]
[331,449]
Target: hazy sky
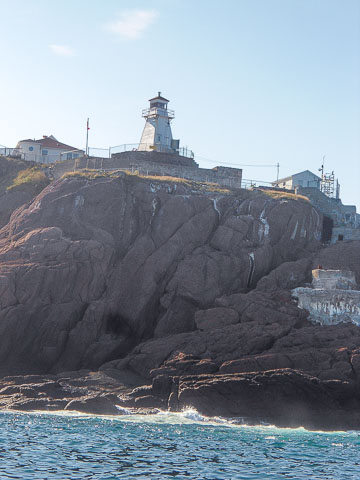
[252,82]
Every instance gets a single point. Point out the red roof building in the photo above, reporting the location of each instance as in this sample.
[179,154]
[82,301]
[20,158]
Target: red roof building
[47,150]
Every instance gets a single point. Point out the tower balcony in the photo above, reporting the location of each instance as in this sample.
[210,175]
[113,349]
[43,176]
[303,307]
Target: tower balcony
[158,112]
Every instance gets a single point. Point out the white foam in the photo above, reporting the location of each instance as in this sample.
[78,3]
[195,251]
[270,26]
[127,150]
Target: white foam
[187,416]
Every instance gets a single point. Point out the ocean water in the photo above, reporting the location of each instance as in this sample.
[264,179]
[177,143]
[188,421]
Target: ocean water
[167,446]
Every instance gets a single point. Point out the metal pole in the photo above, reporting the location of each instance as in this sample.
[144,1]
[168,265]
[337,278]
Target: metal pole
[322,169]
[87,137]
[278,169]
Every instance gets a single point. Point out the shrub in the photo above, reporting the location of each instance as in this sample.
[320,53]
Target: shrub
[33,177]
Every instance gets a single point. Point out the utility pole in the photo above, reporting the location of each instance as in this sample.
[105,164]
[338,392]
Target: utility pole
[277,170]
[87,137]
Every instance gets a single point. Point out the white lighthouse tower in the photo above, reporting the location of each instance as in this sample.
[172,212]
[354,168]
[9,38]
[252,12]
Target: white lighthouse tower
[157,131]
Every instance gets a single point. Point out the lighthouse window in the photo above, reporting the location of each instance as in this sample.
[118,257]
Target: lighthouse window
[158,105]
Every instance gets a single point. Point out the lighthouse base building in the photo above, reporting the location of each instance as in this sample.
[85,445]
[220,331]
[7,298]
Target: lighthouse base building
[158,153]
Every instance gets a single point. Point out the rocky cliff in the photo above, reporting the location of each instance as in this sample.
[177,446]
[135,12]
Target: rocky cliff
[184,286]
[13,196]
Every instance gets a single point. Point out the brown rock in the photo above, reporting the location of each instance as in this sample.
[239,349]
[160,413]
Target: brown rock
[149,401]
[215,318]
[97,405]
[283,397]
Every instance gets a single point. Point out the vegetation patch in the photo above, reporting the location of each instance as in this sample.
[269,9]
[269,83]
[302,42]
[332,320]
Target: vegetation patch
[163,178]
[281,194]
[32,177]
[92,174]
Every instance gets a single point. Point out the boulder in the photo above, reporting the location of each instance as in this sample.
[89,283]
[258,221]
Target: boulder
[97,405]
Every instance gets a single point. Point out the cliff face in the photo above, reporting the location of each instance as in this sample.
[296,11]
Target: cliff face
[182,287]
[91,268]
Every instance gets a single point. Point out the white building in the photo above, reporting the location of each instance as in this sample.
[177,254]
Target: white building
[46,150]
[302,179]
[157,131]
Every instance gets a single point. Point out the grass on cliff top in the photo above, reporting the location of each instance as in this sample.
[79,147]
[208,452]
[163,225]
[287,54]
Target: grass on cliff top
[93,174]
[9,168]
[90,174]
[288,195]
[32,177]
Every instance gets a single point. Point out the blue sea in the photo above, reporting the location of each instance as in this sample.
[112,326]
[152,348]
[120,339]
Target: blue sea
[166,446]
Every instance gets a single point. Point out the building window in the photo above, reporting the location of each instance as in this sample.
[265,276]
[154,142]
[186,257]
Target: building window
[159,138]
[69,156]
[340,238]
[45,152]
[31,149]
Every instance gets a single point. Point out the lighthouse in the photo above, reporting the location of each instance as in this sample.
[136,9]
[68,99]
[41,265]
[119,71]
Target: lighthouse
[157,131]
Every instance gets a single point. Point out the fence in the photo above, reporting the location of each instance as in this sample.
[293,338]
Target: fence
[147,147]
[155,111]
[250,184]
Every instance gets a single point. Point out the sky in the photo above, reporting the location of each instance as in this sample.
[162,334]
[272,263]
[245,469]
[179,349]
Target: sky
[253,82]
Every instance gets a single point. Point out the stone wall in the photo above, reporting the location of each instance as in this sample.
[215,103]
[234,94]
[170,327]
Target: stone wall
[345,234]
[333,279]
[346,220]
[342,215]
[157,157]
[333,298]
[155,163]
[329,307]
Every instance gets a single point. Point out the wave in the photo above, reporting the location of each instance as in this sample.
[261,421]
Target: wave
[187,416]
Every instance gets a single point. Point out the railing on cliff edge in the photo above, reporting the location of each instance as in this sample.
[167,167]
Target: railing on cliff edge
[141,147]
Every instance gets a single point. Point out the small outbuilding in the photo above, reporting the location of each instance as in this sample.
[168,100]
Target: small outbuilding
[301,179]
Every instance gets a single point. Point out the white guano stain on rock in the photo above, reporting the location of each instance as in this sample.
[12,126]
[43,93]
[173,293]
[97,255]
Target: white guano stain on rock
[35,206]
[214,200]
[153,206]
[251,269]
[79,201]
[303,232]
[154,188]
[249,207]
[265,231]
[293,235]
